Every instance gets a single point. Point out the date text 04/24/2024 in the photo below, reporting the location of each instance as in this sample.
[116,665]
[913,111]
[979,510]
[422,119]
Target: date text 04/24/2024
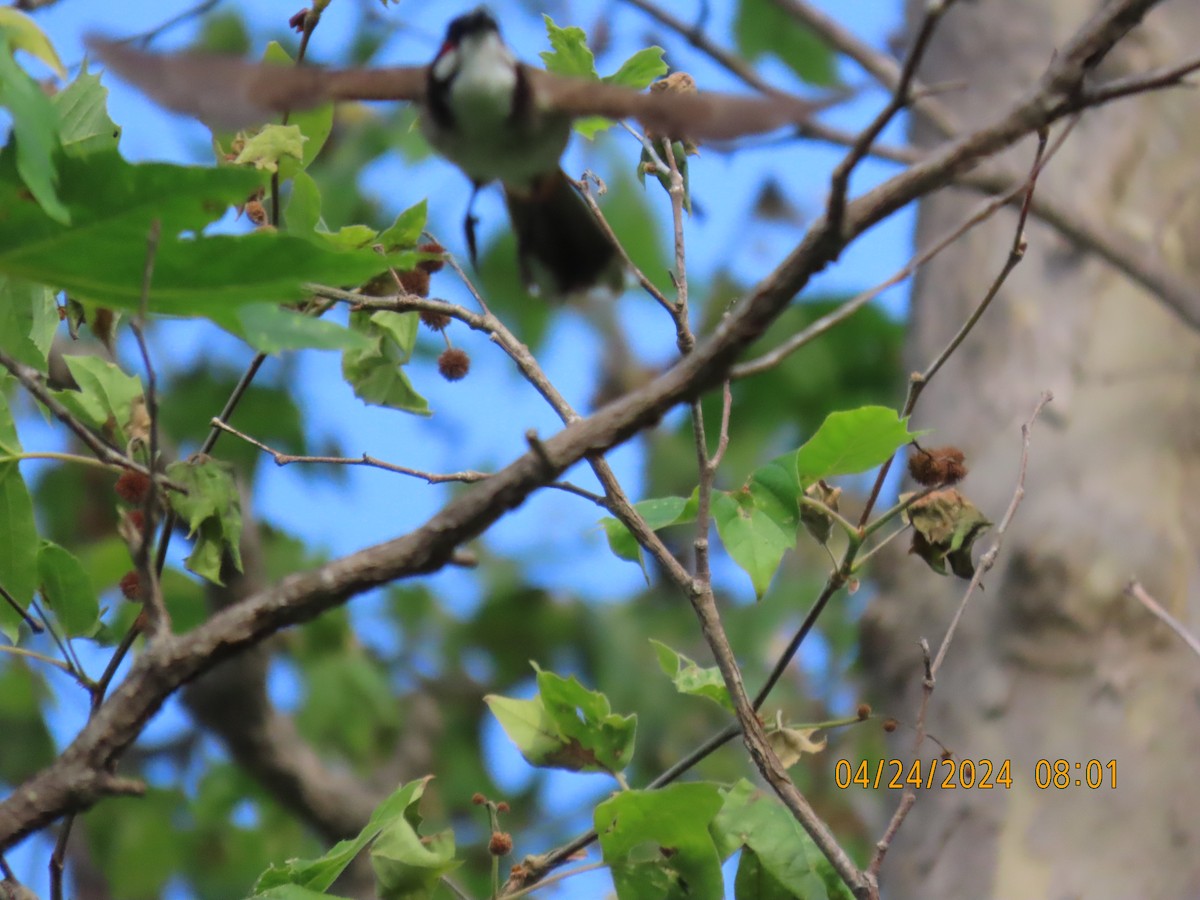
[978,774]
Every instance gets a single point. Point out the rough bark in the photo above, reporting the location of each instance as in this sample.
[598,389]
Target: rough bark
[1053,661]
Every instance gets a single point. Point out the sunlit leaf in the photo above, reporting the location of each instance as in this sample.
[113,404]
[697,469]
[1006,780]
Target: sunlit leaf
[656,840]
[67,589]
[690,678]
[35,134]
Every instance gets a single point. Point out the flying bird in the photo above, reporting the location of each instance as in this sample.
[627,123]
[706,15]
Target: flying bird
[494,117]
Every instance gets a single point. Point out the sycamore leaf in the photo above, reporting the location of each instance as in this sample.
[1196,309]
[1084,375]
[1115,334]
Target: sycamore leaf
[265,149]
[790,744]
[690,678]
[945,527]
[566,726]
[213,511]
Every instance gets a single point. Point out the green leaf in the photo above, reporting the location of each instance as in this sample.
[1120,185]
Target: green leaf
[270,145]
[354,237]
[754,881]
[784,856]
[349,707]
[10,444]
[318,874]
[28,320]
[83,116]
[763,27]
[28,745]
[292,892]
[302,215]
[566,726]
[658,513]
[269,328]
[658,845]
[68,590]
[571,55]
[399,328]
[106,395]
[640,70]
[410,865]
[213,512]
[529,726]
[689,678]
[24,34]
[405,232]
[587,721]
[18,543]
[851,442]
[35,133]
[101,256]
[755,532]
[134,843]
[376,372]
[775,489]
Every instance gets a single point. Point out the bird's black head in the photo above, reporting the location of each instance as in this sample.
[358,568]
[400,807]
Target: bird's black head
[478,21]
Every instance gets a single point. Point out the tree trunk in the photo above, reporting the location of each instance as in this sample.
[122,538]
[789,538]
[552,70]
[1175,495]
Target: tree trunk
[1053,661]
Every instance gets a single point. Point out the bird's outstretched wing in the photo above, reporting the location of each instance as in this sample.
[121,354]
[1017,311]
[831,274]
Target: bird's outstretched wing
[700,115]
[227,93]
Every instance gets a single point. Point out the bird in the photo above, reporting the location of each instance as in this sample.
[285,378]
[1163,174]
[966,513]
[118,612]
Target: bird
[491,115]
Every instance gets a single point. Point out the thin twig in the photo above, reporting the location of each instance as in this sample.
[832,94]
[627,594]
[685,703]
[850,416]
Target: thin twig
[468,476]
[883,68]
[835,317]
[143,39]
[626,260]
[989,558]
[986,562]
[723,434]
[840,181]
[62,644]
[1135,590]
[110,670]
[40,657]
[685,340]
[920,380]
[698,39]
[158,622]
[1169,76]
[555,878]
[34,625]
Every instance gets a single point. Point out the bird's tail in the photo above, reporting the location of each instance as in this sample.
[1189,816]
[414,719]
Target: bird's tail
[561,247]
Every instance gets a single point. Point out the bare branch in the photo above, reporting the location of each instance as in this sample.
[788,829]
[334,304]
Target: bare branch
[150,591]
[34,625]
[807,335]
[468,476]
[931,668]
[919,380]
[1135,590]
[840,182]
[989,558]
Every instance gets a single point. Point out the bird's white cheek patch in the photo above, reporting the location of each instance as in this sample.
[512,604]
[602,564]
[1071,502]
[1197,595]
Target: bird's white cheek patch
[445,65]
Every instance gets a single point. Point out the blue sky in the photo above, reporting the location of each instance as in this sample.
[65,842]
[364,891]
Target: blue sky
[481,421]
